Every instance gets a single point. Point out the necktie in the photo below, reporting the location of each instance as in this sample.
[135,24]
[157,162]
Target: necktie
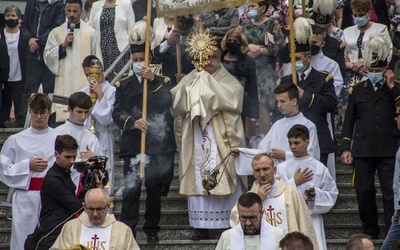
[302,77]
[378,86]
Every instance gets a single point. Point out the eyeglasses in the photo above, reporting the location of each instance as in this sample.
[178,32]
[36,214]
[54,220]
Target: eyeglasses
[250,218]
[99,210]
[396,115]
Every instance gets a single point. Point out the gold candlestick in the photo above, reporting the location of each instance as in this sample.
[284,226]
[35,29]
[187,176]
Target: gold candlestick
[95,69]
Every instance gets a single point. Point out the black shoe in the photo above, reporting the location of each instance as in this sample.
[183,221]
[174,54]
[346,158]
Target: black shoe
[152,238]
[10,124]
[201,234]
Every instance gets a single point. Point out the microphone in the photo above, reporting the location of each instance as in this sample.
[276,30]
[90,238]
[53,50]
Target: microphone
[71,29]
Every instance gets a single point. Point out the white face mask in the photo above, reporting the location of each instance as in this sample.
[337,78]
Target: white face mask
[137,68]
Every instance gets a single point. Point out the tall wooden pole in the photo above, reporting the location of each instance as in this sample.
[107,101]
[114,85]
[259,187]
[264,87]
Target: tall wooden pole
[291,40]
[144,109]
[178,50]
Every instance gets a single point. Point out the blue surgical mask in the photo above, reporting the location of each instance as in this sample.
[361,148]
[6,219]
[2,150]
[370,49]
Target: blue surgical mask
[375,77]
[300,67]
[360,21]
[137,68]
[253,14]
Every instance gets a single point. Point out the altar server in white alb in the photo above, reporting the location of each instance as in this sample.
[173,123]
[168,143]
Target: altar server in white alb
[95,228]
[102,111]
[311,178]
[67,46]
[253,232]
[79,105]
[25,159]
[275,143]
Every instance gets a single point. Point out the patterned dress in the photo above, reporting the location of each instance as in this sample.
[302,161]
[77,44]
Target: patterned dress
[108,42]
[265,64]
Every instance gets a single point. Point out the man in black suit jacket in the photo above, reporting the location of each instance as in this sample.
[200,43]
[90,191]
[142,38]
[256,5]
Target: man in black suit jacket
[160,141]
[165,53]
[370,136]
[317,97]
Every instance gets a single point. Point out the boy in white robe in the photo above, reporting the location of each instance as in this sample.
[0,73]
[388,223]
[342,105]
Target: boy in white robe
[275,142]
[311,178]
[253,232]
[79,105]
[25,159]
[102,112]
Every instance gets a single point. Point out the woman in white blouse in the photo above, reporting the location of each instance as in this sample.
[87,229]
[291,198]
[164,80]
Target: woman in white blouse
[113,20]
[16,49]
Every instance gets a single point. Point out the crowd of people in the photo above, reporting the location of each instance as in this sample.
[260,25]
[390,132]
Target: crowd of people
[252,113]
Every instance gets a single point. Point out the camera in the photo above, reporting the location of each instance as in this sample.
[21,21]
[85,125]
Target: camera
[91,169]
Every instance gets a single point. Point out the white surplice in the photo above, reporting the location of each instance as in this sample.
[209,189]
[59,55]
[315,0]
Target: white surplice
[15,172]
[277,138]
[326,191]
[84,138]
[104,123]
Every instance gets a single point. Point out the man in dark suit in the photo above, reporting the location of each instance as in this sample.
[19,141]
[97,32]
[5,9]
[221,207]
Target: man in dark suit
[370,135]
[317,97]
[165,53]
[160,142]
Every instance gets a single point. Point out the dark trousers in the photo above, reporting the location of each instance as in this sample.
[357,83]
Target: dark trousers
[364,183]
[168,174]
[154,173]
[12,92]
[323,158]
[36,73]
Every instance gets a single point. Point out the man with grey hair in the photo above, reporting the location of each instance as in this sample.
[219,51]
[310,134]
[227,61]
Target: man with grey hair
[360,241]
[95,227]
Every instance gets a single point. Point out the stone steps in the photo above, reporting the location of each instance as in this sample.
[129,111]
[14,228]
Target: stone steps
[340,223]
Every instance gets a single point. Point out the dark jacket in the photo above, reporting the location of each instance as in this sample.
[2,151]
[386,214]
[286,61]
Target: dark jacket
[318,99]
[37,25]
[4,64]
[58,204]
[168,61]
[334,49]
[128,108]
[220,21]
[369,122]
[245,72]
[22,45]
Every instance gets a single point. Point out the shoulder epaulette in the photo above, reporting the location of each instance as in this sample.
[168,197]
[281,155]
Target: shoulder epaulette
[342,45]
[329,75]
[278,81]
[350,90]
[118,83]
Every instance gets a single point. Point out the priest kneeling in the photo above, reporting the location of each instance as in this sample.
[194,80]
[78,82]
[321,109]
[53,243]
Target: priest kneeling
[253,231]
[95,228]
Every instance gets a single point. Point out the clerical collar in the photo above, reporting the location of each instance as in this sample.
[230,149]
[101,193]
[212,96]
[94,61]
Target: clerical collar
[298,112]
[77,25]
[256,233]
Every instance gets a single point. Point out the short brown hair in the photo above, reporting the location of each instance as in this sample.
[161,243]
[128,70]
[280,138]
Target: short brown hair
[259,156]
[360,5]
[80,100]
[39,101]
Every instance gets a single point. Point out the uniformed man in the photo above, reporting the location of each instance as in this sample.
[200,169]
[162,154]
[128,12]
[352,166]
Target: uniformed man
[370,134]
[316,89]
[160,143]
[323,12]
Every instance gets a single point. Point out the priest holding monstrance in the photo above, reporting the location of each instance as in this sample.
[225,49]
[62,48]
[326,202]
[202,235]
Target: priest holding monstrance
[207,104]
